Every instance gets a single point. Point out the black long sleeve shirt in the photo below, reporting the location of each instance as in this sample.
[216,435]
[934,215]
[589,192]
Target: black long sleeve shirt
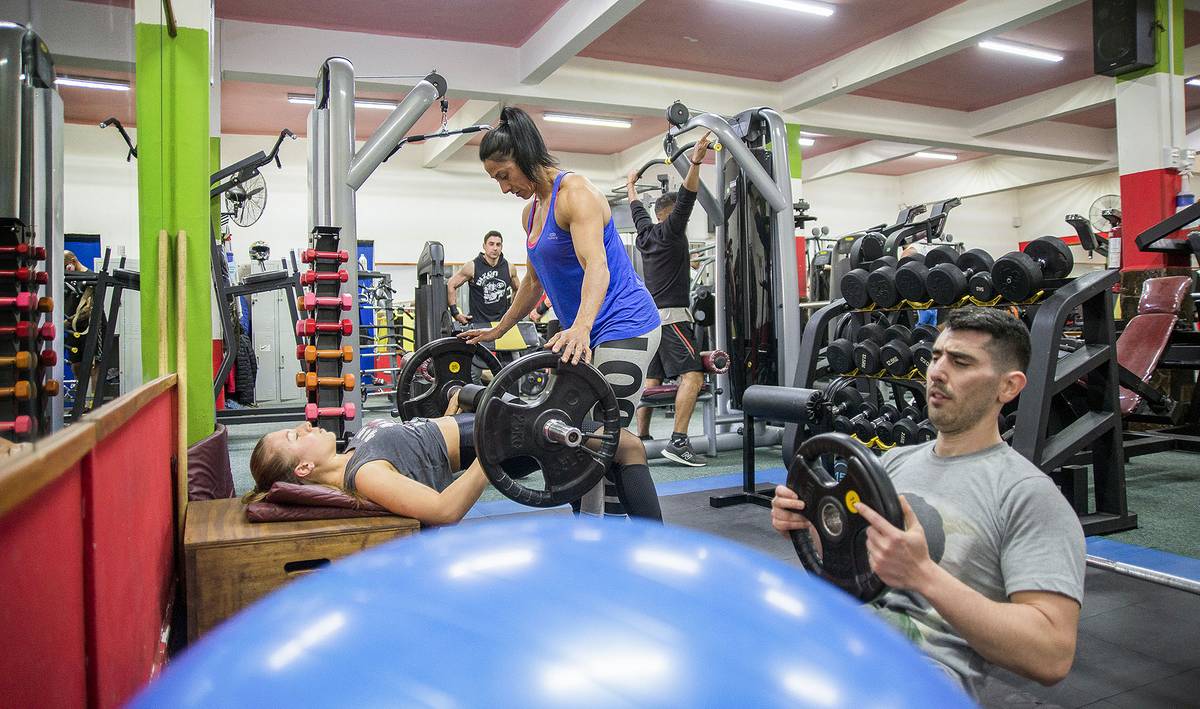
[664,247]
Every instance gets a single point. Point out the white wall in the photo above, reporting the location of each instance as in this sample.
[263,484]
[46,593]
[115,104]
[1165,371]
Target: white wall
[99,187]
[851,201]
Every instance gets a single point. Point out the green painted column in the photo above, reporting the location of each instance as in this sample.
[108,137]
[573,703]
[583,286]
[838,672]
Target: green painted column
[173,169]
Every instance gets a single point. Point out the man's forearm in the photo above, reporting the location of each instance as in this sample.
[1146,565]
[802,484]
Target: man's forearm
[692,179]
[1016,636]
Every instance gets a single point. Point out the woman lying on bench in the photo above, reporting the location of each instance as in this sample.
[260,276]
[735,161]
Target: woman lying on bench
[408,467]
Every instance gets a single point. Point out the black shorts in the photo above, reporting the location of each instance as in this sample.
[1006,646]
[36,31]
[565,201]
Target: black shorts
[677,353]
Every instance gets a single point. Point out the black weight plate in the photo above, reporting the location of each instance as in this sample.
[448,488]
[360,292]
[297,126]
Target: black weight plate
[866,357]
[980,286]
[898,332]
[848,397]
[881,285]
[941,254]
[1054,255]
[445,364]
[926,432]
[843,560]
[1017,276]
[922,355]
[866,248]
[910,281]
[882,262]
[871,331]
[904,432]
[924,332]
[896,358]
[854,288]
[946,284]
[678,114]
[975,260]
[511,429]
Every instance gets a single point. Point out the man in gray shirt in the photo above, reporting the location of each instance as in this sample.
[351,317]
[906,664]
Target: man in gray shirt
[989,567]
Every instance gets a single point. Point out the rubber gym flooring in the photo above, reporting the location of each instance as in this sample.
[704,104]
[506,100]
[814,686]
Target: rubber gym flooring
[1139,642]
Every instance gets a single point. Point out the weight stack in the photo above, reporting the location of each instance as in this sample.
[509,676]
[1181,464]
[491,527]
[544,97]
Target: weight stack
[323,326]
[26,337]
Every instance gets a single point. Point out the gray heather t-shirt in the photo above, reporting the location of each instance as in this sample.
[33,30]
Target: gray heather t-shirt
[996,523]
[416,448]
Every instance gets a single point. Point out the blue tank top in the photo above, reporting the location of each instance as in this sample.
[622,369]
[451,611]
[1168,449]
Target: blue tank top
[627,310]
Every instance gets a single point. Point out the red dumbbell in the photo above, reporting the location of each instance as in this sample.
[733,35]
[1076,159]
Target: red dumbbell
[29,302]
[312,412]
[310,255]
[310,353]
[310,381]
[310,277]
[24,329]
[20,390]
[37,253]
[20,425]
[310,301]
[310,326]
[27,274]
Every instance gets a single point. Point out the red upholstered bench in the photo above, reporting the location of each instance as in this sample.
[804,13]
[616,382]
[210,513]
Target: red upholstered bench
[714,362]
[1145,338]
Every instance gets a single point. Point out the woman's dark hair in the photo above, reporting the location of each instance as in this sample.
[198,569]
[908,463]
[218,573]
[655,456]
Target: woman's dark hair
[516,137]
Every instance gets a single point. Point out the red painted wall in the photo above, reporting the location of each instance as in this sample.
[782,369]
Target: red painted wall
[1147,198]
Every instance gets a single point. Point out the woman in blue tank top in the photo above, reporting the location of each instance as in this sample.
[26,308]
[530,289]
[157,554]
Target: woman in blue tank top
[575,257]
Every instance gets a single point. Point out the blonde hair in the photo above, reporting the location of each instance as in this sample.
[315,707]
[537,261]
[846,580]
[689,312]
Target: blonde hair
[268,467]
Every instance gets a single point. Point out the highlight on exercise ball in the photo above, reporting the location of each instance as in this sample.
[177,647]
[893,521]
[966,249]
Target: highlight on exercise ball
[553,611]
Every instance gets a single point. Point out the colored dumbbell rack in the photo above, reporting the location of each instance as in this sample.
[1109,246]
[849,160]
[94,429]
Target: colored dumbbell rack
[27,335]
[323,329]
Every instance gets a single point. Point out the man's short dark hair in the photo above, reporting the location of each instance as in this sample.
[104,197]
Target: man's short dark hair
[1009,345]
[662,204]
[494,233]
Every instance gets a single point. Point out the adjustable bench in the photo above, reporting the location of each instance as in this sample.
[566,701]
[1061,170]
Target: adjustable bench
[714,362]
[1143,342]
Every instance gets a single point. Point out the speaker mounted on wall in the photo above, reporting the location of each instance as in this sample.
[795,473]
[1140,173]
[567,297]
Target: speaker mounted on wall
[1123,34]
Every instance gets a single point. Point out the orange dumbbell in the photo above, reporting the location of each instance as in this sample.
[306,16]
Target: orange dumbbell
[21,360]
[310,354]
[51,388]
[310,381]
[21,390]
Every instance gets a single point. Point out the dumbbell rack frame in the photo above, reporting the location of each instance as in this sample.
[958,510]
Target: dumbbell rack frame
[1095,437]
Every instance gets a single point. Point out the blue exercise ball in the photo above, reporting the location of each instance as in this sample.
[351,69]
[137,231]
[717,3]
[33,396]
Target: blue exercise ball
[553,612]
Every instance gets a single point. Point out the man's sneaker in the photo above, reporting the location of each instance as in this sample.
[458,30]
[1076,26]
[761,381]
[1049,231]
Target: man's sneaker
[681,452]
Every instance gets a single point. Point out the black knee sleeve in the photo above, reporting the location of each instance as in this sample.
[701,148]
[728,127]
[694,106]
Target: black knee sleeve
[635,489]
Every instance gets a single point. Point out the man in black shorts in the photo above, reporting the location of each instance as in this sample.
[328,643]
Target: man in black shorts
[490,279]
[664,247]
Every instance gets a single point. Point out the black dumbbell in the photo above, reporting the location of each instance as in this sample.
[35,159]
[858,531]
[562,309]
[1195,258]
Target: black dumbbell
[1019,275]
[840,352]
[926,431]
[897,355]
[889,417]
[859,424]
[947,283]
[866,351]
[881,282]
[910,276]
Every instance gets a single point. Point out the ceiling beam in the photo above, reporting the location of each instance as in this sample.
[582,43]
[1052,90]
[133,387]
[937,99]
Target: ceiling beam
[471,113]
[989,175]
[576,25]
[941,35]
[1045,106]
[855,157]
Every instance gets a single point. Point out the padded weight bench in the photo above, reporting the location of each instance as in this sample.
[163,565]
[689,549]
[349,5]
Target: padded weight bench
[1143,341]
[714,362]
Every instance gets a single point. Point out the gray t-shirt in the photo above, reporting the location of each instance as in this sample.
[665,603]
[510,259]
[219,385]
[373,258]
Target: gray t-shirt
[996,523]
[416,448]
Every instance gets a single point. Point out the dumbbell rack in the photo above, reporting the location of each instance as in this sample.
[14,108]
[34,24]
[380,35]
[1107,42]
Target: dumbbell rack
[26,347]
[1095,436]
[320,350]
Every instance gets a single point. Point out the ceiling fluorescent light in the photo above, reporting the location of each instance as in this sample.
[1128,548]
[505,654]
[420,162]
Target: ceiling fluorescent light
[304,100]
[81,82]
[812,8]
[936,156]
[806,142]
[588,120]
[1193,82]
[1021,50]
[810,134]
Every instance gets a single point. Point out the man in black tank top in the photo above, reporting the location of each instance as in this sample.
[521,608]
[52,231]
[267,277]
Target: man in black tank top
[489,278]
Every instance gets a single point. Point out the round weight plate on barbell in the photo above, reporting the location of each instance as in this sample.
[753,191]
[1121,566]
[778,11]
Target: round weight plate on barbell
[830,506]
[1016,276]
[509,429]
[1054,254]
[444,365]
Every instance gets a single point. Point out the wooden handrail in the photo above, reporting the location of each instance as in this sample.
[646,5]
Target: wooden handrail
[24,474]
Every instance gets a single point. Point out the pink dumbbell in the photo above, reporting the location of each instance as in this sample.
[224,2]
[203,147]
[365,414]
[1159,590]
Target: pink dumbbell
[310,255]
[309,326]
[312,412]
[37,253]
[26,274]
[29,302]
[20,425]
[310,301]
[24,329]
[310,277]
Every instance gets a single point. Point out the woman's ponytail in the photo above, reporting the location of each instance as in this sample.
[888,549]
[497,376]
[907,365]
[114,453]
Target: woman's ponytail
[516,137]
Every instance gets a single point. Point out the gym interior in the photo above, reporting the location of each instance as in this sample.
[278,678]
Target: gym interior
[896,233]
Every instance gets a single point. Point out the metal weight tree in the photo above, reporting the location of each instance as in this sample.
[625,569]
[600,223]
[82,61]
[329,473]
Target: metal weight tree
[31,190]
[336,170]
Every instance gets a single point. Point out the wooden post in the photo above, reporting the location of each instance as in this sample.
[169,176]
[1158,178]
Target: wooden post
[181,374]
